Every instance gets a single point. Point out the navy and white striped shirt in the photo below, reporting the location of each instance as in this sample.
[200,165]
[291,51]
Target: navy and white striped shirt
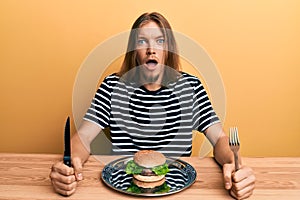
[160,120]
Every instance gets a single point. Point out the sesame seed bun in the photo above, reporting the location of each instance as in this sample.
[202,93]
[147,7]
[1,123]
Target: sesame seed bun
[149,158]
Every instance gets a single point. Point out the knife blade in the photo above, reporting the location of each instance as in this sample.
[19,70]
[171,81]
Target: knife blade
[67,144]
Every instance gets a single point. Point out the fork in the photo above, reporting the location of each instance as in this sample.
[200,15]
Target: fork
[234,144]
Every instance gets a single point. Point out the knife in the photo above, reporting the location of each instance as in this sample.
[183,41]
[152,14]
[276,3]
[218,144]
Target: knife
[67,140]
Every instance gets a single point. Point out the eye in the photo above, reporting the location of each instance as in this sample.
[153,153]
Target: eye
[141,41]
[160,41]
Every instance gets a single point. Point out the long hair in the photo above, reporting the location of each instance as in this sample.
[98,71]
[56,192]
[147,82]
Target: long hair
[171,54]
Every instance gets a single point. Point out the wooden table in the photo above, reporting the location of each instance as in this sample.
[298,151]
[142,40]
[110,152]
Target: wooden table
[26,176]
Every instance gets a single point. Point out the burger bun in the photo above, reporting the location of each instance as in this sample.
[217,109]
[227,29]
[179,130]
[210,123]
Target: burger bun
[148,178]
[149,158]
[150,185]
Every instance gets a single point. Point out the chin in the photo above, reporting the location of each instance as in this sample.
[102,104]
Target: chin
[152,76]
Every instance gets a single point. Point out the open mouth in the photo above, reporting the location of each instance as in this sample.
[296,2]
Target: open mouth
[151,63]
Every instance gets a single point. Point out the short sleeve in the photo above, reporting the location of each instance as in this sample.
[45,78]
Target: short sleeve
[204,115]
[100,108]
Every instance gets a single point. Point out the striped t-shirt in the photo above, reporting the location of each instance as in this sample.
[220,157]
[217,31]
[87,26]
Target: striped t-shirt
[160,120]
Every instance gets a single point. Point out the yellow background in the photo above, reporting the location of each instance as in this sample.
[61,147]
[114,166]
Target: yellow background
[254,44]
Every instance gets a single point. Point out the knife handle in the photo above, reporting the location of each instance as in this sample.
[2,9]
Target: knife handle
[67,161]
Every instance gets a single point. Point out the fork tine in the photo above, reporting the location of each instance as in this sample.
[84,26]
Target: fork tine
[237,136]
[234,136]
[230,136]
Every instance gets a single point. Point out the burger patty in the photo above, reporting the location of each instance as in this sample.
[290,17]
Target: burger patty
[147,172]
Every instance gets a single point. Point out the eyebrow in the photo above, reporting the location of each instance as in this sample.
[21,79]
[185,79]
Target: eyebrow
[143,36]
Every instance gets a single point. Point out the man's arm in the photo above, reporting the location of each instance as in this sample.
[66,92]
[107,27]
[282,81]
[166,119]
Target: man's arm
[219,140]
[240,183]
[82,139]
[64,179]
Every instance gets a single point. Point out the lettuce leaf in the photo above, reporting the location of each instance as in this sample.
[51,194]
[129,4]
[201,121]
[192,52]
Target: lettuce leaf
[161,169]
[133,168]
[134,188]
[164,188]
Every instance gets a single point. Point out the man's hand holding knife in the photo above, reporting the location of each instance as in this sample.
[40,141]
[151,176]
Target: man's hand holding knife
[65,175]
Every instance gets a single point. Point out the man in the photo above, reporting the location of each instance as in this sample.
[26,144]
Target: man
[150,104]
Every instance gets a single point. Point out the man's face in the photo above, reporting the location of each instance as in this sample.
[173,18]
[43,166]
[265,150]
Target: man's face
[150,52]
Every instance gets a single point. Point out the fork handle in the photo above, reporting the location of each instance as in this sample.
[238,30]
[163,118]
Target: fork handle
[236,161]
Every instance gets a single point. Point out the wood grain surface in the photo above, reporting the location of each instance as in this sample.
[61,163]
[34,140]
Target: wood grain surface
[26,176]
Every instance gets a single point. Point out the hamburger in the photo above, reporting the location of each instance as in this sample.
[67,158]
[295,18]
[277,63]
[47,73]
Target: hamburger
[148,169]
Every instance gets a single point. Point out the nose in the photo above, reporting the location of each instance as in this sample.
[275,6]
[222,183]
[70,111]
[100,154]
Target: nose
[150,51]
